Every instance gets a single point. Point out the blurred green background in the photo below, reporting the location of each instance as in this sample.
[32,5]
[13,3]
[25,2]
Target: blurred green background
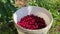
[8,7]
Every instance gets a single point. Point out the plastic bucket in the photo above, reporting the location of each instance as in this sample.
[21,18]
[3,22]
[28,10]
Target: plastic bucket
[41,12]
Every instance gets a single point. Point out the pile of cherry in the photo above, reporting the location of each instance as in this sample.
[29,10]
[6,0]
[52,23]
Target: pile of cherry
[32,22]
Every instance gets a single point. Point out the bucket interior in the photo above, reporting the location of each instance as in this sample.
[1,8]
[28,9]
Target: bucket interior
[40,12]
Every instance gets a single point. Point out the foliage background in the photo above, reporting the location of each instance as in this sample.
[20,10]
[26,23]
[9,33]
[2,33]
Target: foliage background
[8,7]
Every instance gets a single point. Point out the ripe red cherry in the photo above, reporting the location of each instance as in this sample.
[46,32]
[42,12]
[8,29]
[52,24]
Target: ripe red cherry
[32,22]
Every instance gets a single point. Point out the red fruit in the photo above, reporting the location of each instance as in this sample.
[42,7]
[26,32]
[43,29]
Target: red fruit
[32,22]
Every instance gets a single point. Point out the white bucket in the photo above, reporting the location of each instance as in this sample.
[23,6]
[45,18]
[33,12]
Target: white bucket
[41,12]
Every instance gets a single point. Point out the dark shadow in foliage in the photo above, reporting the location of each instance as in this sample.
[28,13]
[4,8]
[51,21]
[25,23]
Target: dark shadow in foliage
[7,27]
